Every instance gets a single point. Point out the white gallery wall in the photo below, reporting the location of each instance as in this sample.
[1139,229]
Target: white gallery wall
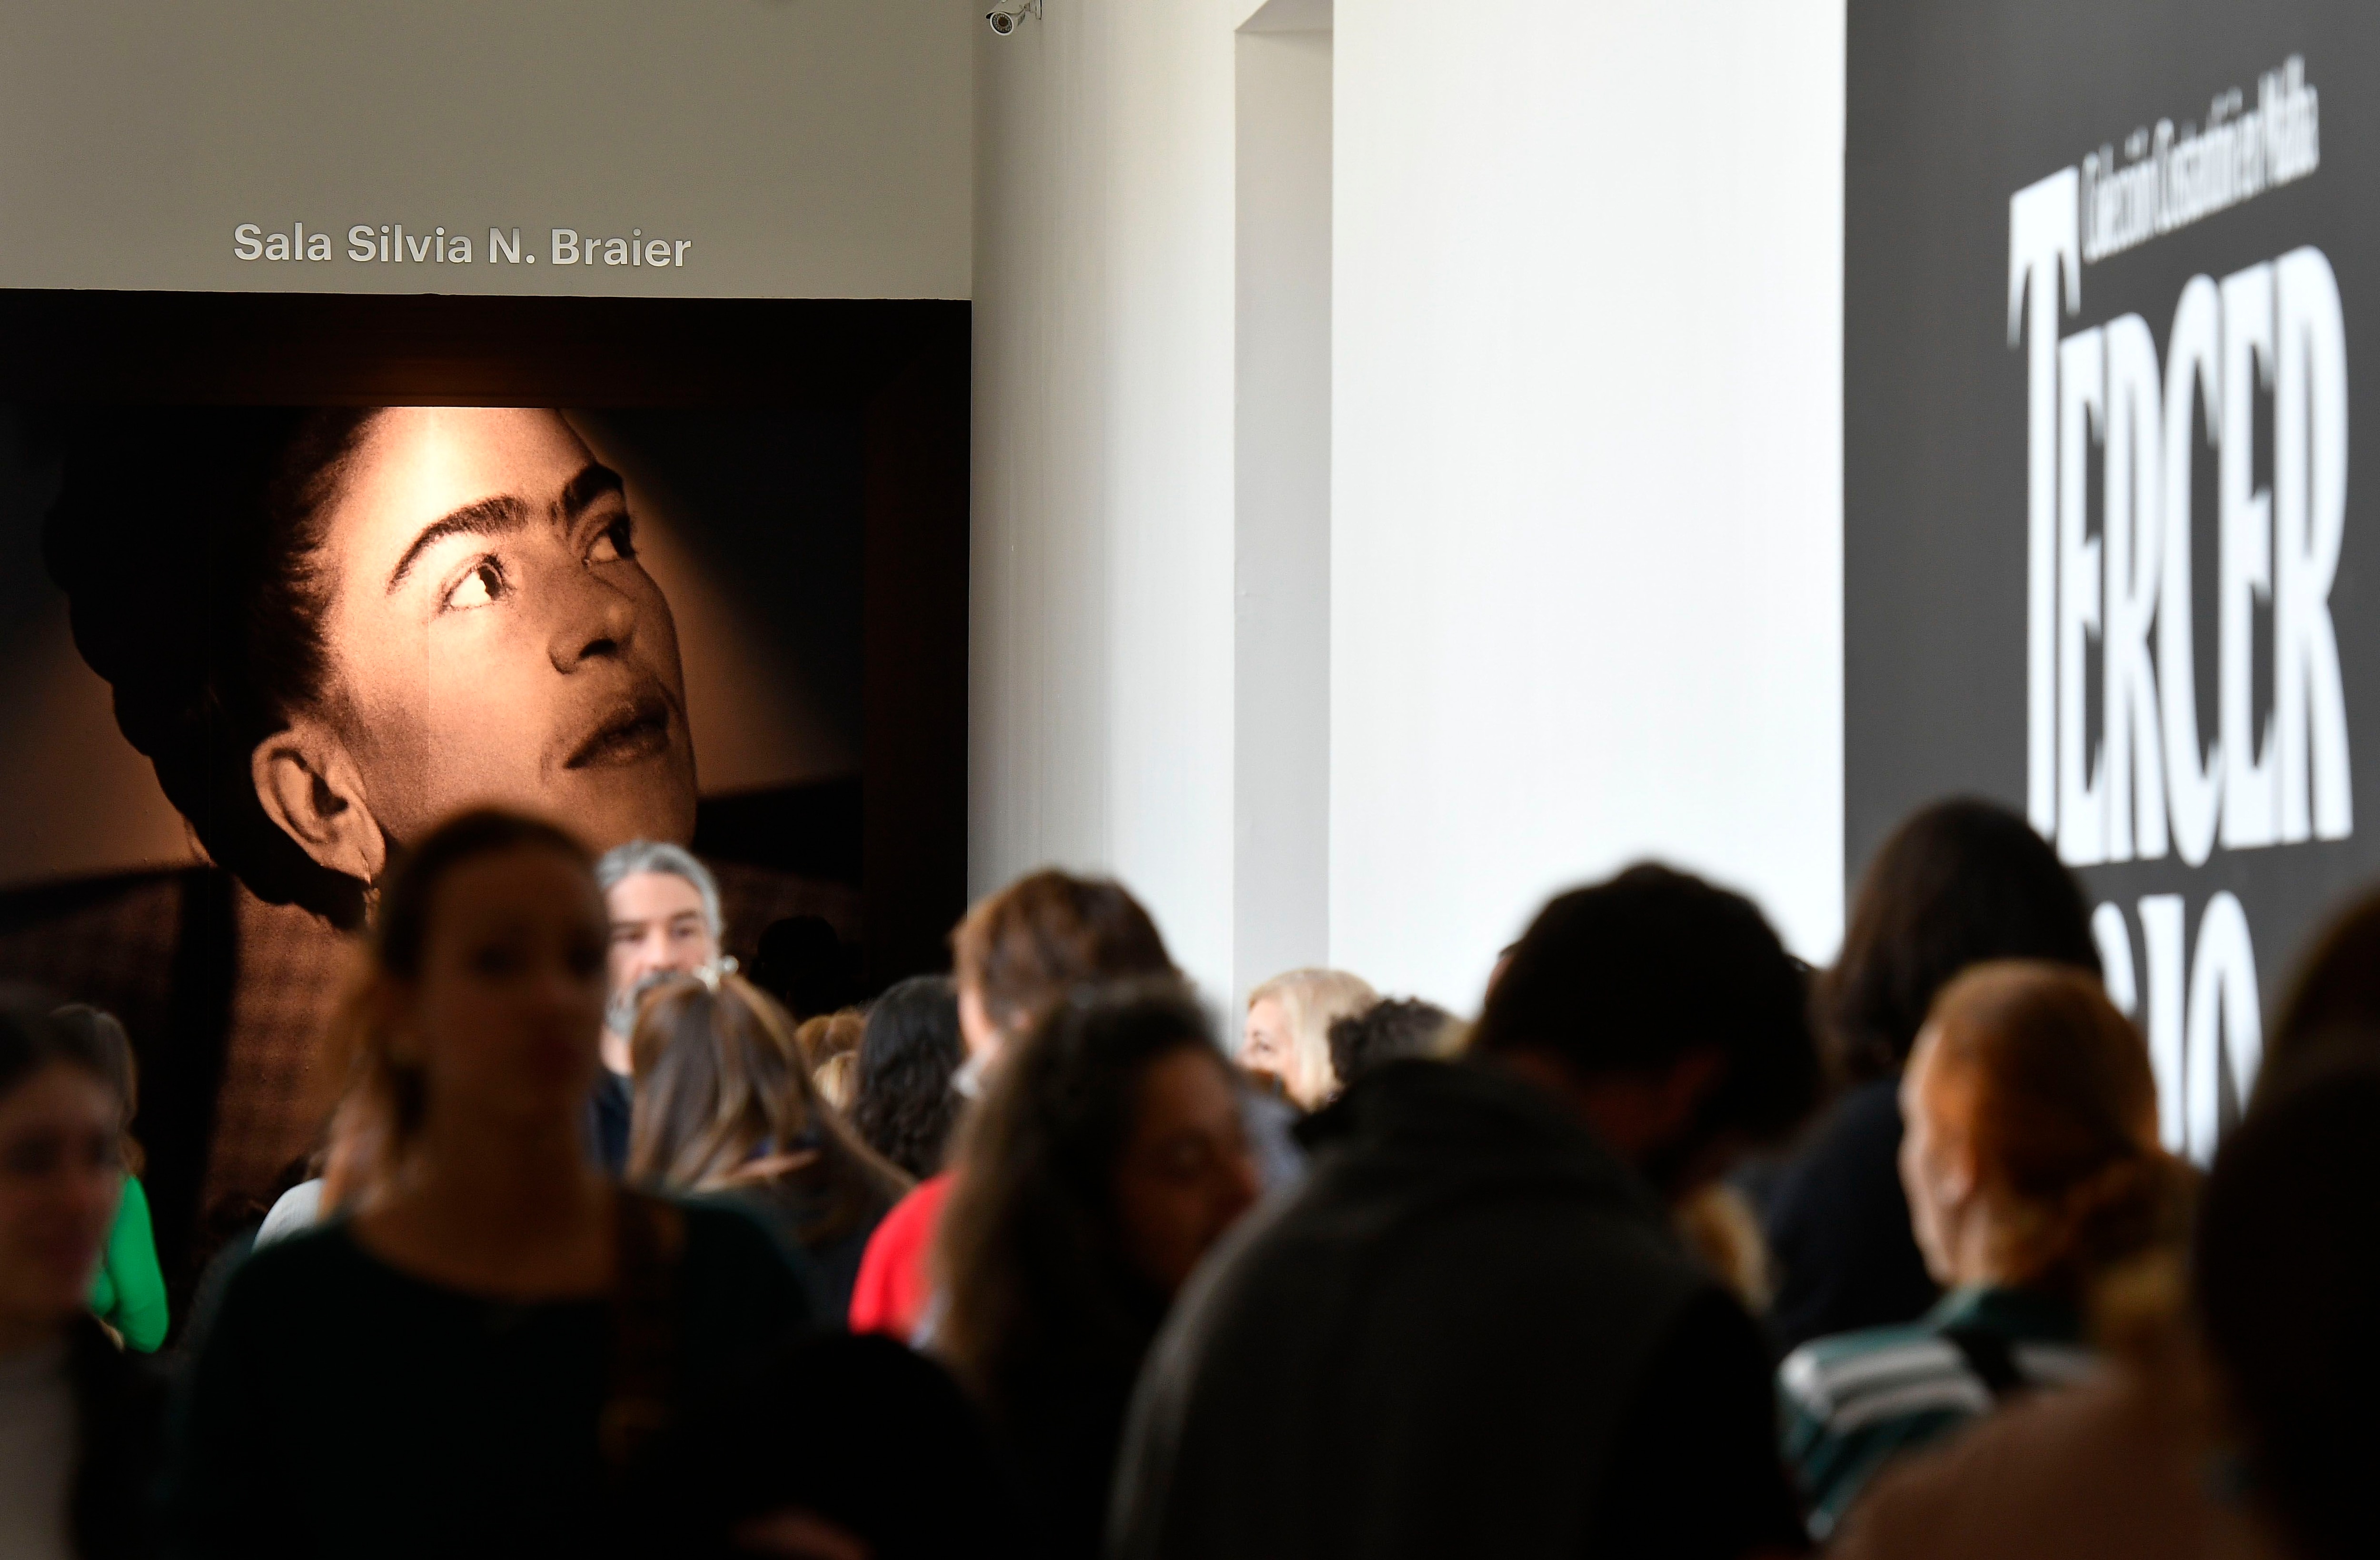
[1100,732]
[1584,566]
[1586,531]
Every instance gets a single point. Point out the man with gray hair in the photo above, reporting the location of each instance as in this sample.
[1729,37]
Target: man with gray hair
[665,920]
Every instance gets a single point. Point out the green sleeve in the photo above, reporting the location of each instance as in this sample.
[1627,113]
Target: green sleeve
[130,1279]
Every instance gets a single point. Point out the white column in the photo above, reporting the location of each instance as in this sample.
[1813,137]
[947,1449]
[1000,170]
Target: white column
[1281,785]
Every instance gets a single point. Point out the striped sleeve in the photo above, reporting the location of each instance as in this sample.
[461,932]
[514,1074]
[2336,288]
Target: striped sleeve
[1846,1412]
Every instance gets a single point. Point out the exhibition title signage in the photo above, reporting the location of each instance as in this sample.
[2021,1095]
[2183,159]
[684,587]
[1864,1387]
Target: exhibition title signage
[2170,178]
[2098,396]
[389,244]
[2101,542]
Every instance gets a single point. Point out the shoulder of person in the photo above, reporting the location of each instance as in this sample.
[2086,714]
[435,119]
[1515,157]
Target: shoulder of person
[920,1205]
[726,1231]
[293,1212]
[311,1273]
[2119,1449]
[724,1222]
[1861,1131]
[100,1367]
[1852,1379]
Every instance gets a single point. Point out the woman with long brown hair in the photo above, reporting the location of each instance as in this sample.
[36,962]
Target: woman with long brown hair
[1108,1157]
[2033,1174]
[724,1103]
[476,1351]
[1018,953]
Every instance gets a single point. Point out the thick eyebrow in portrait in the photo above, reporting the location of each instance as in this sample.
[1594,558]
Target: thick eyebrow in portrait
[488,517]
[593,481]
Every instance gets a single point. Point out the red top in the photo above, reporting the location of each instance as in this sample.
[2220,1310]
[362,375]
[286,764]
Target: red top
[892,1291]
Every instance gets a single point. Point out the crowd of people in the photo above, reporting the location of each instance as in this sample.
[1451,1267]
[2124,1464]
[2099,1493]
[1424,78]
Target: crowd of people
[1676,1247]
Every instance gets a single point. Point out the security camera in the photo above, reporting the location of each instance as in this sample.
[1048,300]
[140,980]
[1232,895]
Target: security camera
[1003,18]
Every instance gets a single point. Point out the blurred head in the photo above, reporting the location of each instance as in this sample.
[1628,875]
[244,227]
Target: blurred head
[664,906]
[1386,1032]
[1665,1011]
[836,1080]
[1957,883]
[830,1035]
[2031,1154]
[482,998]
[1106,1158]
[2288,1276]
[724,1097]
[1288,1034]
[107,1038]
[906,1106]
[719,1075]
[60,1177]
[2335,995]
[1020,952]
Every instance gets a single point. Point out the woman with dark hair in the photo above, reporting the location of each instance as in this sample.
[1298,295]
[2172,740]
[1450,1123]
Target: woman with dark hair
[724,1104]
[1390,1030]
[1959,882]
[1107,1157]
[1019,953]
[906,1106]
[77,1415]
[2033,1173]
[328,629]
[477,1352]
[129,1292]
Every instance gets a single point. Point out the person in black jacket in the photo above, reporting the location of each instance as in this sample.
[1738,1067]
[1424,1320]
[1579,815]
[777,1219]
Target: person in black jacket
[1957,883]
[1473,1329]
[79,1416]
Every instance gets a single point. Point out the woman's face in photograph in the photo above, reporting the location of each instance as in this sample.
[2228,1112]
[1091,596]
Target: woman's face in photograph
[493,637]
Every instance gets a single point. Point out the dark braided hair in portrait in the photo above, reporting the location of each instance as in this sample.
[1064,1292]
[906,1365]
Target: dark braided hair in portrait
[186,539]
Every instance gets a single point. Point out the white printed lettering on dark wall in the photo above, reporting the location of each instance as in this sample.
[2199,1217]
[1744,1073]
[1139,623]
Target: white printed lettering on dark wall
[2169,178]
[394,243]
[2151,781]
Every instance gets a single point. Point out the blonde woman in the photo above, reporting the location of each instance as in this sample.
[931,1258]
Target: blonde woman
[1288,1034]
[837,1079]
